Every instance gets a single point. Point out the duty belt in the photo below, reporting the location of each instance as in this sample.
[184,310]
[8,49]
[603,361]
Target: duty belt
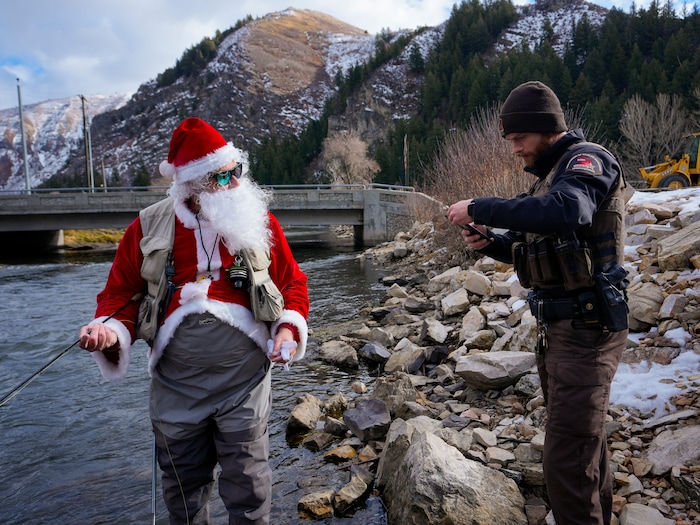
[583,306]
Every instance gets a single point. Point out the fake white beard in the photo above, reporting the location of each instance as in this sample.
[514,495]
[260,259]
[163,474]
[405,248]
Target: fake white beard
[239,215]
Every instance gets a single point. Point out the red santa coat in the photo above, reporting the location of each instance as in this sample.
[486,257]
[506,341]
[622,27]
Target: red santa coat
[200,256]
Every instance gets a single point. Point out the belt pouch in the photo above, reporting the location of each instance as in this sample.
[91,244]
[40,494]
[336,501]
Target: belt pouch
[614,307]
[588,307]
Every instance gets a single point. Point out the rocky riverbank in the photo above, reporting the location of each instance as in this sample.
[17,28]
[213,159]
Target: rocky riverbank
[453,428]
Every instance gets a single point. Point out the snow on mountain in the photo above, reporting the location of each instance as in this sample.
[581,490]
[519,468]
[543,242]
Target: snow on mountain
[53,130]
[529,28]
[270,77]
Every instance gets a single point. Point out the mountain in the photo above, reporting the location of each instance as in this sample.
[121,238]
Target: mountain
[53,131]
[269,78]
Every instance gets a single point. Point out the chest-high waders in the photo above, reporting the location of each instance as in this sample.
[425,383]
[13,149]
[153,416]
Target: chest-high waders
[225,423]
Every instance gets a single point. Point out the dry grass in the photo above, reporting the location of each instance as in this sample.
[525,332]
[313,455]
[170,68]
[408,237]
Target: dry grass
[476,162]
[285,53]
[101,236]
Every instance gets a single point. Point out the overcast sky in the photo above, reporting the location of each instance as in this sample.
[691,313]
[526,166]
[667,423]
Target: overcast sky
[84,47]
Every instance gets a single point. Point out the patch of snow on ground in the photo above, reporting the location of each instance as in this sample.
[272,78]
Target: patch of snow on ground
[649,388]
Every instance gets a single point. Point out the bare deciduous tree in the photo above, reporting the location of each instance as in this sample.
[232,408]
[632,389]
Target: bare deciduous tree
[476,162]
[345,161]
[695,117]
[652,131]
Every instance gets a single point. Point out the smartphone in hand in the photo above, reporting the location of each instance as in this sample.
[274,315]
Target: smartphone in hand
[473,229]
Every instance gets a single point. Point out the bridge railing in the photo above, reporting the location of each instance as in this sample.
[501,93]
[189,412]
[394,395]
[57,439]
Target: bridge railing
[160,189]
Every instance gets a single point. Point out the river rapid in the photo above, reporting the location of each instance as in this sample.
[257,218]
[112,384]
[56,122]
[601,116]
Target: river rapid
[75,449]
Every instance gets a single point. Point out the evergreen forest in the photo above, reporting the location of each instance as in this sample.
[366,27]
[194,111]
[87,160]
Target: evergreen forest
[642,53]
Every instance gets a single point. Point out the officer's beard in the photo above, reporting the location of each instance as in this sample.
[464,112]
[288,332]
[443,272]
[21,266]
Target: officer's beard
[239,215]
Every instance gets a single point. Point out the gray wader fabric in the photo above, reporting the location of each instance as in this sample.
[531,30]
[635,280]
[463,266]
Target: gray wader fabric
[576,371]
[210,403]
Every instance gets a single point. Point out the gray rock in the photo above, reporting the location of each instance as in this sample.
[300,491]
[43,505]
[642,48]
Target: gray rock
[434,330]
[355,492]
[455,303]
[673,447]
[636,514]
[435,483]
[494,370]
[395,390]
[409,358]
[370,419]
[339,354]
[398,440]
[303,418]
[375,352]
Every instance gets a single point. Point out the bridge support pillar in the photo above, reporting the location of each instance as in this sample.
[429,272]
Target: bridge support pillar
[357,230]
[374,221]
[31,242]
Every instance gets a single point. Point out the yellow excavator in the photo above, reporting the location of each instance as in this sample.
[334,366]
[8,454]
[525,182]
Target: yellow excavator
[676,173]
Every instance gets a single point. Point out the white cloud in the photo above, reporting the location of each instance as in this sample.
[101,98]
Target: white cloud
[61,49]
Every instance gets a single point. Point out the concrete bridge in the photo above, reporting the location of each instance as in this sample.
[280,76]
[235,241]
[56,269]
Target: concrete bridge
[31,221]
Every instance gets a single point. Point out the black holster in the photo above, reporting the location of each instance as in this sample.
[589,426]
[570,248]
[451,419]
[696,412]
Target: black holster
[610,288]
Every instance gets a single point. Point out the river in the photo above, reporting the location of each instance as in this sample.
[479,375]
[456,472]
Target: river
[75,449]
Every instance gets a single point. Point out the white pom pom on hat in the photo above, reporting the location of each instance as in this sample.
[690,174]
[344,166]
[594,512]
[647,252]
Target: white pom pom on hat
[196,149]
[166,169]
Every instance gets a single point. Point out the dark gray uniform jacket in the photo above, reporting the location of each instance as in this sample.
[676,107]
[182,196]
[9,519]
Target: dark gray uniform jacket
[569,205]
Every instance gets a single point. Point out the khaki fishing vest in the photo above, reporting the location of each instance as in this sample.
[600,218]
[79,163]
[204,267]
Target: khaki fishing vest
[158,227]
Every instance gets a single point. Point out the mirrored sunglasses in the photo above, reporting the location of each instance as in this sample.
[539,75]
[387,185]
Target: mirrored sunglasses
[224,177]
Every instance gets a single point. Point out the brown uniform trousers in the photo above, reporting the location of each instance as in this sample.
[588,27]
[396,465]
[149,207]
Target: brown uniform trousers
[576,371]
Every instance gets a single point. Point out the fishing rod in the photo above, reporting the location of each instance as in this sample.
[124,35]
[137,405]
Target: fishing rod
[154,479]
[43,369]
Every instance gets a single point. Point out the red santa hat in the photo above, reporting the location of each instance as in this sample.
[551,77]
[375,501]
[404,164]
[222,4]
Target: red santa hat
[196,149]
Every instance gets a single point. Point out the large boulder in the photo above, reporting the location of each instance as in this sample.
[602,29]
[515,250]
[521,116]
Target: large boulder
[494,370]
[676,250]
[435,483]
[674,447]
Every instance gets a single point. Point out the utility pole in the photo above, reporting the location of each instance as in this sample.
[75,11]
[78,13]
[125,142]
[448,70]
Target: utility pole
[24,140]
[405,159]
[104,177]
[90,166]
[87,141]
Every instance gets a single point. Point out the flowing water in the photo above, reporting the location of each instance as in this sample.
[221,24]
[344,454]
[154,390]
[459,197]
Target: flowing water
[75,449]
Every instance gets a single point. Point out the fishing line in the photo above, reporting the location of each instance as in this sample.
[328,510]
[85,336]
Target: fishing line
[43,369]
[170,458]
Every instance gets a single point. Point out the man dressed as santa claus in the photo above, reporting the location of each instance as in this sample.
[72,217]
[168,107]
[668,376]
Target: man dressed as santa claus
[210,359]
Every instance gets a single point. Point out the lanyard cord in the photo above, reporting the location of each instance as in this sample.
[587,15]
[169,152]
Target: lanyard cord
[201,241]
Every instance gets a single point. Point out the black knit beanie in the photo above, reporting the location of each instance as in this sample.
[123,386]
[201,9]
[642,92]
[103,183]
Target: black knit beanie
[532,108]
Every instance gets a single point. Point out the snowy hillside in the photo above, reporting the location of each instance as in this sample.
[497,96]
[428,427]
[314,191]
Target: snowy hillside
[53,130]
[530,27]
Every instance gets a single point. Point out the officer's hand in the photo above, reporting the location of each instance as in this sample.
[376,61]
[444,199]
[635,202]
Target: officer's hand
[458,213]
[474,240]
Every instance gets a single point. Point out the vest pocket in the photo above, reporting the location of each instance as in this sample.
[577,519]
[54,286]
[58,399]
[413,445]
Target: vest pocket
[576,267]
[544,266]
[520,263]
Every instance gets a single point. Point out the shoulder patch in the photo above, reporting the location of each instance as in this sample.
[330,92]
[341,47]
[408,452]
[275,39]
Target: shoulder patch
[586,163]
